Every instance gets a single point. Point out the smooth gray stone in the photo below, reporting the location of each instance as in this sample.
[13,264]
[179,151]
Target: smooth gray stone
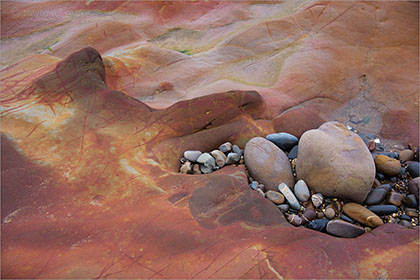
[406,223]
[381,210]
[283,207]
[301,191]
[290,197]
[254,185]
[376,196]
[405,217]
[284,141]
[207,160]
[318,224]
[413,169]
[192,155]
[388,187]
[206,169]
[344,229]
[226,147]
[411,201]
[237,150]
[293,152]
[232,158]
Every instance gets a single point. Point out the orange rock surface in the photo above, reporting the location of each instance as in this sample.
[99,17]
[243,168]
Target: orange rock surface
[91,138]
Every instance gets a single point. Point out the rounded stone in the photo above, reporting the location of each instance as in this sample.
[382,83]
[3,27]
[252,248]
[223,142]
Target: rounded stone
[288,194]
[207,160]
[334,161]
[406,223]
[237,150]
[406,155]
[330,213]
[395,199]
[196,169]
[364,216]
[284,207]
[284,141]
[294,219]
[293,152]
[267,163]
[232,158]
[318,225]
[192,155]
[206,169]
[301,191]
[226,147]
[317,199]
[186,168]
[220,157]
[383,209]
[275,197]
[376,196]
[411,201]
[344,229]
[413,186]
[254,185]
[308,215]
[388,166]
[413,169]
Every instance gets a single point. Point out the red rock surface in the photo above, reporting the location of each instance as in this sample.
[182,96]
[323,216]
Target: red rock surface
[90,145]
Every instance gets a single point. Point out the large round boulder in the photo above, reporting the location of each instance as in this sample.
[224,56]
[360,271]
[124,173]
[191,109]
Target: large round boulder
[267,163]
[334,161]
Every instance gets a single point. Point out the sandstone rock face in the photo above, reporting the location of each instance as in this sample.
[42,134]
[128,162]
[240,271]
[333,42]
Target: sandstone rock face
[335,162]
[267,163]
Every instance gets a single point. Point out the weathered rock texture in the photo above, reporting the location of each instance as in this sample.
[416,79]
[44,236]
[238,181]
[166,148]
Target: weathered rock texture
[89,174]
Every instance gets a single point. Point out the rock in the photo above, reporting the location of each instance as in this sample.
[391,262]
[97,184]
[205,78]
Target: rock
[183,160]
[260,192]
[284,141]
[232,158]
[405,217]
[284,207]
[308,215]
[346,218]
[220,157]
[406,223]
[411,201]
[382,210]
[196,169]
[319,215]
[308,205]
[395,199]
[413,169]
[318,224]
[376,196]
[393,155]
[344,229]
[317,199]
[413,186]
[406,155]
[362,215]
[192,155]
[226,147]
[412,212]
[376,183]
[267,163]
[275,197]
[237,150]
[207,160]
[334,161]
[380,176]
[290,197]
[293,152]
[388,187]
[371,145]
[186,168]
[301,191]
[330,213]
[294,219]
[206,169]
[387,165]
[262,187]
[254,185]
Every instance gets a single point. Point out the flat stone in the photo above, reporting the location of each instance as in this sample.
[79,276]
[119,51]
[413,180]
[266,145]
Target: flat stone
[290,197]
[344,229]
[284,141]
[383,209]
[376,196]
[388,166]
[226,147]
[411,201]
[395,199]
[301,191]
[294,219]
[308,215]
[186,168]
[237,150]
[268,164]
[284,207]
[413,169]
[413,186]
[317,199]
[220,157]
[275,197]
[335,161]
[318,224]
[362,215]
[207,160]
[232,158]
[406,155]
[192,155]
[293,152]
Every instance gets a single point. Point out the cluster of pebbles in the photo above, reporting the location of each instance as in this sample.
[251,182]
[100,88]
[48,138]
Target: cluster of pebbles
[196,162]
[393,197]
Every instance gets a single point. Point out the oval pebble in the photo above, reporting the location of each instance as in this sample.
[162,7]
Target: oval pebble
[318,224]
[344,229]
[192,155]
[362,215]
[302,191]
[290,197]
[275,197]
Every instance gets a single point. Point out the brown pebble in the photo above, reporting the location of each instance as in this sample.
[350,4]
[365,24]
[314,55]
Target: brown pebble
[294,219]
[371,145]
[275,197]
[395,198]
[196,169]
[186,168]
[330,213]
[308,215]
[388,166]
[406,155]
[376,183]
[362,215]
[319,215]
